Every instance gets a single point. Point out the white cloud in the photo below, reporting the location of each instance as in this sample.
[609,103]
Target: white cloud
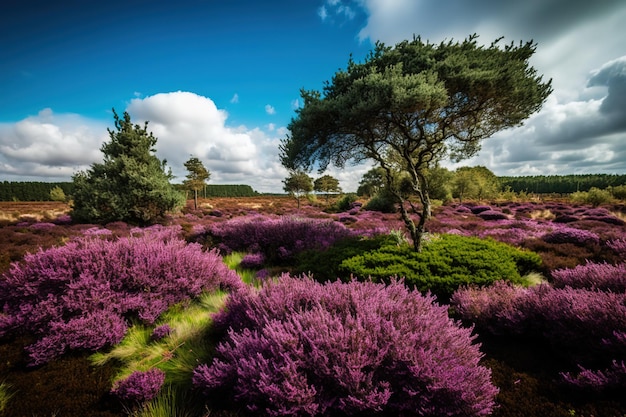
[270,109]
[322,13]
[295,104]
[49,145]
[235,99]
[336,8]
[582,127]
[188,124]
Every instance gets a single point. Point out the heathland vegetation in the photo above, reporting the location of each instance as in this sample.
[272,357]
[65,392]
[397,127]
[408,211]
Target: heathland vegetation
[224,305]
[120,298]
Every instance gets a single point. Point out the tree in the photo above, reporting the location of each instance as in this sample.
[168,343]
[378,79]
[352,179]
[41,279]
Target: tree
[57,194]
[439,183]
[196,178]
[130,185]
[409,106]
[475,182]
[371,182]
[327,184]
[297,184]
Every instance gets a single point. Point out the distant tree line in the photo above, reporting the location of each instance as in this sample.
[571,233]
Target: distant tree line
[32,190]
[41,191]
[227,190]
[561,184]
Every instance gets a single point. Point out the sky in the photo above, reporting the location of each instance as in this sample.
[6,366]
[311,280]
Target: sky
[221,80]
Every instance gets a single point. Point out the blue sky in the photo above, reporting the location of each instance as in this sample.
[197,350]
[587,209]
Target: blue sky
[220,80]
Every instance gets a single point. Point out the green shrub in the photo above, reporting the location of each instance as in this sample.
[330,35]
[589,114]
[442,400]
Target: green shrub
[594,196]
[444,264]
[345,202]
[383,202]
[324,265]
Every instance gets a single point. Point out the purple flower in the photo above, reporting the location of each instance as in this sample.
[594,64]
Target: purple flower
[160,332]
[140,386]
[298,347]
[252,261]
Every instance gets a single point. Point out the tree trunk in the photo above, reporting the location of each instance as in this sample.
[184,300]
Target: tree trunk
[195,199]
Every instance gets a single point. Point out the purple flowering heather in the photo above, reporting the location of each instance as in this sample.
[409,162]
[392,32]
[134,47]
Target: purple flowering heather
[140,387]
[571,235]
[618,246]
[161,331]
[479,209]
[278,238]
[252,261]
[587,327]
[78,296]
[492,215]
[594,276]
[298,347]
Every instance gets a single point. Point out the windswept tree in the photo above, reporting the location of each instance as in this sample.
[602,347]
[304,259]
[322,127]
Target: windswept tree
[409,106]
[132,183]
[298,184]
[196,178]
[326,184]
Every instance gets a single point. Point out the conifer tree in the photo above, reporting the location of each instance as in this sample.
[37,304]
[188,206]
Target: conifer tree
[131,184]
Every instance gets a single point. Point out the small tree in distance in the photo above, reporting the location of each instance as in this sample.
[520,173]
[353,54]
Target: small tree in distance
[196,178]
[409,106]
[327,184]
[57,194]
[298,184]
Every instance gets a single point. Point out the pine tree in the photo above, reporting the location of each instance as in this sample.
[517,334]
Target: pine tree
[131,184]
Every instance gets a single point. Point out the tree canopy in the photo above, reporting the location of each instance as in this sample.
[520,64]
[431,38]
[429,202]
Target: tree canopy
[197,177]
[298,184]
[130,185]
[407,107]
[326,184]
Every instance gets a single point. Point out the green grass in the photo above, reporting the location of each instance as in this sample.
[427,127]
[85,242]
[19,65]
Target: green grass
[5,396]
[177,354]
[233,261]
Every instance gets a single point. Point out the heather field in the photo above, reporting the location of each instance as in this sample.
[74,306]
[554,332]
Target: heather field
[251,306]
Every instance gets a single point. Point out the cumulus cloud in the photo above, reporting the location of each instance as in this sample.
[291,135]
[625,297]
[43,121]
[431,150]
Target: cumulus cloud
[189,124]
[572,36]
[49,146]
[235,99]
[584,136]
[270,109]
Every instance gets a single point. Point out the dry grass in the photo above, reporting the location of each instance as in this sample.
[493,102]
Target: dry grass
[544,214]
[11,211]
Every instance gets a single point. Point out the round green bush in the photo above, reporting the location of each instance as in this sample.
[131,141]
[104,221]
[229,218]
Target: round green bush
[445,263]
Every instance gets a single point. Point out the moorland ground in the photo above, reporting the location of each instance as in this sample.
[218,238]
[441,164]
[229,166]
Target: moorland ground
[525,370]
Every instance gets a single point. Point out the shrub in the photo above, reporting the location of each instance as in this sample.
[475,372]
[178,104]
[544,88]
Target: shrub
[492,215]
[479,209]
[383,201]
[593,276]
[140,386]
[278,239]
[80,296]
[323,265]
[570,235]
[618,246]
[444,264]
[346,202]
[302,348]
[252,261]
[585,327]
